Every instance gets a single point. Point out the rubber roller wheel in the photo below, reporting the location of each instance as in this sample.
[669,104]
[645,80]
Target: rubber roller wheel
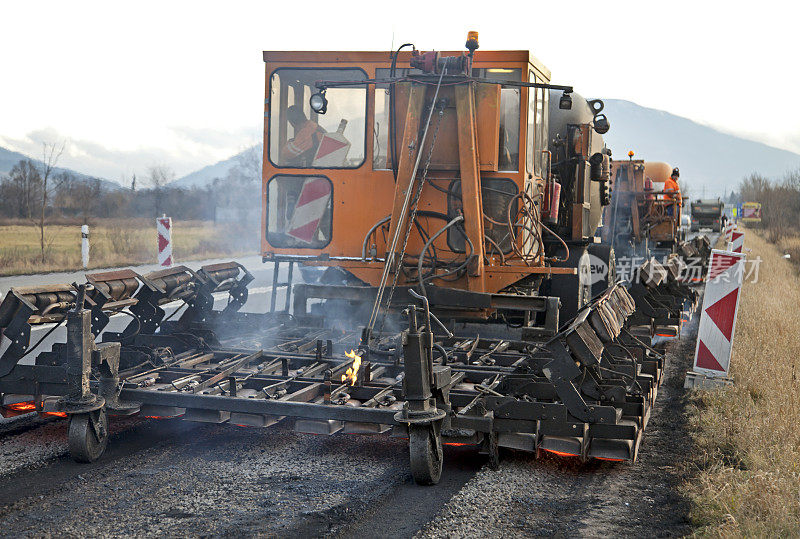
[425,447]
[494,451]
[87,442]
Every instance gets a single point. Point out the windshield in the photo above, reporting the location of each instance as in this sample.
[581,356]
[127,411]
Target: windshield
[300,138]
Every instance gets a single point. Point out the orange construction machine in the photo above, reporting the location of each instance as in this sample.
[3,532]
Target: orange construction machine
[643,218]
[459,190]
[432,170]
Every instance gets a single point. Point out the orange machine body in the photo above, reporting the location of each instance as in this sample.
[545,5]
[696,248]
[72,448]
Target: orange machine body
[491,141]
[638,188]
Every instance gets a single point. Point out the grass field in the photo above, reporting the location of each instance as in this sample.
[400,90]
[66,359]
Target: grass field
[747,481]
[791,245]
[116,243]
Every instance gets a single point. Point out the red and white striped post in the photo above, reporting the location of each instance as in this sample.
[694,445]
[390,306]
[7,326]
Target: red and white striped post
[728,230]
[164,232]
[712,357]
[736,242]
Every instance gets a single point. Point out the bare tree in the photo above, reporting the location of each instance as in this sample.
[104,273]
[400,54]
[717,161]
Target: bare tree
[51,153]
[158,176]
[23,187]
[753,187]
[86,195]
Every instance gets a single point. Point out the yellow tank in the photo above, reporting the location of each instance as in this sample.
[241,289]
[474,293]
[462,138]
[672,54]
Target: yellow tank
[657,171]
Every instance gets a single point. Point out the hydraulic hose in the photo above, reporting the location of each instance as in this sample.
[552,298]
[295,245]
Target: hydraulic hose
[439,232]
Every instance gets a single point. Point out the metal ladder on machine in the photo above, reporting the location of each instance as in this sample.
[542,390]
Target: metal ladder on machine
[277,284]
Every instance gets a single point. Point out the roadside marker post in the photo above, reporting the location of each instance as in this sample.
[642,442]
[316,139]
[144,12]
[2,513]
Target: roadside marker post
[729,227]
[736,242]
[85,246]
[712,356]
[164,233]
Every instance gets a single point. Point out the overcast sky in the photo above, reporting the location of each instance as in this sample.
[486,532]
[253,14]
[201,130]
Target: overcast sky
[182,83]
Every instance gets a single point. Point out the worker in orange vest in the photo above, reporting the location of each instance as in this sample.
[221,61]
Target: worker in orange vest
[672,191]
[299,151]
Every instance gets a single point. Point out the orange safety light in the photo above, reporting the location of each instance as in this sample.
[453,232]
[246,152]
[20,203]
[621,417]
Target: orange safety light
[472,41]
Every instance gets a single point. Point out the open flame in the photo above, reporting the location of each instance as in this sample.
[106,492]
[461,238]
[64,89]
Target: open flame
[28,406]
[352,373]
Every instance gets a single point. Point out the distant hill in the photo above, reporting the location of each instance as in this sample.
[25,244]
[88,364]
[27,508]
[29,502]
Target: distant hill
[10,158]
[707,157]
[206,175]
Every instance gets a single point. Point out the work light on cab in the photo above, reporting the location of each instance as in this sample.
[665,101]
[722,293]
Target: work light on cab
[318,102]
[565,103]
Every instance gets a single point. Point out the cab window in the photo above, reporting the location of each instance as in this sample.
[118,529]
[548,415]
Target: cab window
[538,99]
[542,117]
[381,155]
[300,138]
[299,211]
[509,115]
[496,195]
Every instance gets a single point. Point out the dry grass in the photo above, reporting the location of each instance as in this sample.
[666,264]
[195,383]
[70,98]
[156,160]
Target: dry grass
[790,244]
[748,436]
[115,243]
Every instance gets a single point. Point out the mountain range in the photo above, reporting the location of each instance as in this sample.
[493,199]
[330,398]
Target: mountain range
[712,163]
[207,174]
[10,158]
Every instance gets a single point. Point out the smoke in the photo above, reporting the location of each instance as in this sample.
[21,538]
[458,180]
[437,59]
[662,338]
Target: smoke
[236,199]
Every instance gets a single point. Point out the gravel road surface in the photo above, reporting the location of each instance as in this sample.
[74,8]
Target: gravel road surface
[177,478]
[174,477]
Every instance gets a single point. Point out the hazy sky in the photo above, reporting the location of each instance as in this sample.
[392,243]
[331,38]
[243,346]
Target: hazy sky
[182,83]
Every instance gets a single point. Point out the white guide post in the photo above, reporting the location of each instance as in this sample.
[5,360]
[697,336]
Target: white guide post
[85,246]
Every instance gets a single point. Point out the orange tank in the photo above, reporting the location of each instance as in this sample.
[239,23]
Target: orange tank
[658,171]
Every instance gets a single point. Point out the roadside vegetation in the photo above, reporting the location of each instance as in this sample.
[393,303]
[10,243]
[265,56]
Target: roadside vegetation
[43,207]
[746,480]
[780,203]
[115,242]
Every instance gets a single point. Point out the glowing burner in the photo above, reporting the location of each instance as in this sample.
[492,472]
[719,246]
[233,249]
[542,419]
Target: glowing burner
[352,373]
[22,407]
[560,453]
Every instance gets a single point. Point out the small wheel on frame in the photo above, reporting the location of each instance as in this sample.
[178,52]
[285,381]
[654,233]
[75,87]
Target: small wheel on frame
[88,435]
[494,451]
[425,448]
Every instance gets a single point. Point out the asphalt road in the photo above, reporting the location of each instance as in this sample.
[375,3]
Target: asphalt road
[177,478]
[174,477]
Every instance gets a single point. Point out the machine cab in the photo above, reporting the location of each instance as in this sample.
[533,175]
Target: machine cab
[329,177]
